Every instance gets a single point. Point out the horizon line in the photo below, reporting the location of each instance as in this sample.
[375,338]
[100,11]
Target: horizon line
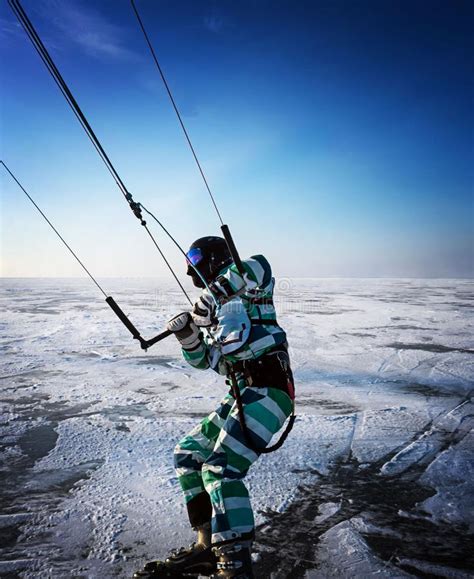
[281,277]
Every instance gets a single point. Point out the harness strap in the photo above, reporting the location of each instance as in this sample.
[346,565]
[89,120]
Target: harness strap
[245,429]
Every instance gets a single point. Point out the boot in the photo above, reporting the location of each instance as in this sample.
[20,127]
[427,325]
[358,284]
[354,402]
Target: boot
[234,560]
[197,559]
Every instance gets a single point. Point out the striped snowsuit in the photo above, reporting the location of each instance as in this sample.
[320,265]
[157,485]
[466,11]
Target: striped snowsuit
[214,457]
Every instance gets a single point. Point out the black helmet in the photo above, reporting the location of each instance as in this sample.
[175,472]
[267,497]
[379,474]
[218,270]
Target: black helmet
[209,255]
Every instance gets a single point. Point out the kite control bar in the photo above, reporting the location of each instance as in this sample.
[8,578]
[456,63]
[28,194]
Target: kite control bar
[233,250]
[145,344]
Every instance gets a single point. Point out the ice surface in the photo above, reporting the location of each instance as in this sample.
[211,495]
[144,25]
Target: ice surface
[378,467]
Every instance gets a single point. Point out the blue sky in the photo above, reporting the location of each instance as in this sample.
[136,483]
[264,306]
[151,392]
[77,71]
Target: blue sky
[337,136]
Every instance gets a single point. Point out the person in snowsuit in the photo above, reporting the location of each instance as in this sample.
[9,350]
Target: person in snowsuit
[233,330]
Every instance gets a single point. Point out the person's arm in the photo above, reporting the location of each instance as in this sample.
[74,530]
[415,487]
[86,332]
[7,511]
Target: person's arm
[193,347]
[258,274]
[229,320]
[233,327]
[198,358]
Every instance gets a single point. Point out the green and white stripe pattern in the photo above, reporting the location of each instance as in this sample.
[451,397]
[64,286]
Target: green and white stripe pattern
[257,300]
[214,458]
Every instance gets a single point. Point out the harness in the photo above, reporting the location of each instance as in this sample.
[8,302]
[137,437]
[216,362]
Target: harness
[272,370]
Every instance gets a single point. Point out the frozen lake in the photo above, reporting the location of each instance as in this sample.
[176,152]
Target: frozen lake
[376,477]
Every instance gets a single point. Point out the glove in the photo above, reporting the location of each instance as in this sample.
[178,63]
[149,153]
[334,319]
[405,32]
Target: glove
[203,312]
[185,330]
[221,287]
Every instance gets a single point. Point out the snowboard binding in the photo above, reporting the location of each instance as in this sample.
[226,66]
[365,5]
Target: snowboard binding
[196,561]
[160,570]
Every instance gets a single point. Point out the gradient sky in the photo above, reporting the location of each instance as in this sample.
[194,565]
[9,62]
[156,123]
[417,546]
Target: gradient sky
[337,136]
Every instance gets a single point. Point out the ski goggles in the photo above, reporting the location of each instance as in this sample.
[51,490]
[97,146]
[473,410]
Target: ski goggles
[194,256]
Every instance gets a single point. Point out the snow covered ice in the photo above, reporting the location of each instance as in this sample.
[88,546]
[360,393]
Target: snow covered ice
[376,477]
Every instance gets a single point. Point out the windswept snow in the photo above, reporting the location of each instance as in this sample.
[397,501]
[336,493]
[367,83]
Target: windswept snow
[376,477]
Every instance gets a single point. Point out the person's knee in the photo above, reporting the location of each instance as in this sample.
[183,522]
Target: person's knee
[180,455]
[211,475]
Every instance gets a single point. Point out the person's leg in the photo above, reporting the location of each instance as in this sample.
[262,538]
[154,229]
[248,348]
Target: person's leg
[265,410]
[190,454]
